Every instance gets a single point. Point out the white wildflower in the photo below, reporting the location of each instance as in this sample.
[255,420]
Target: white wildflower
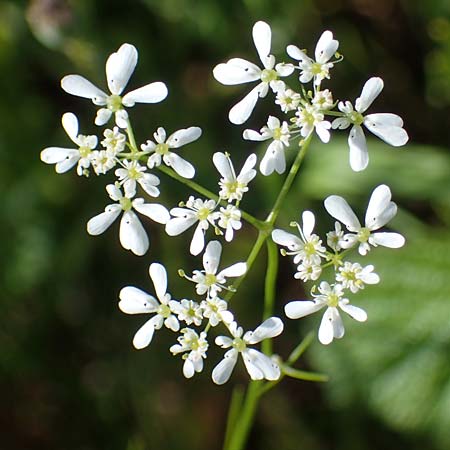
[379,212]
[208,281]
[160,151]
[307,247]
[335,237]
[102,161]
[323,99]
[319,69]
[196,210]
[307,271]
[330,297]
[233,187]
[287,99]
[274,158]
[136,301]
[258,365]
[196,345]
[119,68]
[187,311]
[229,220]
[239,71]
[132,234]
[65,158]
[353,276]
[216,310]
[132,172]
[310,118]
[388,127]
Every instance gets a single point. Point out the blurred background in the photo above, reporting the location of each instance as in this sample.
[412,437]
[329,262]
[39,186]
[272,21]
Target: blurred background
[69,377]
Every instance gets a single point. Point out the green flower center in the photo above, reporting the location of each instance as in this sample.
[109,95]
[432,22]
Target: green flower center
[268,75]
[162,149]
[277,134]
[203,213]
[316,68]
[164,310]
[114,102]
[126,203]
[356,117]
[210,279]
[134,174]
[332,300]
[239,344]
[84,151]
[363,235]
[309,248]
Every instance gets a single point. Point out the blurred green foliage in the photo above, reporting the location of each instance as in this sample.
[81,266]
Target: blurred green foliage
[69,377]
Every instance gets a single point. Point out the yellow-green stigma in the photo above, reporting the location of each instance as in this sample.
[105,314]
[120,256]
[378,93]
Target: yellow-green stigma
[126,203]
[210,279]
[239,344]
[114,102]
[356,117]
[363,235]
[203,213]
[84,151]
[332,300]
[162,149]
[164,310]
[268,75]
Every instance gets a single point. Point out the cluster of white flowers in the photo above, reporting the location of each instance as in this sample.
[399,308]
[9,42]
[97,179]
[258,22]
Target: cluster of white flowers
[135,176]
[310,256]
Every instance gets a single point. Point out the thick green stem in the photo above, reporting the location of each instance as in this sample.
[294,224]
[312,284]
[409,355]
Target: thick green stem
[269,288]
[243,423]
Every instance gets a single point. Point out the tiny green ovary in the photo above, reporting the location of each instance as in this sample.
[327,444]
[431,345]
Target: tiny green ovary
[239,344]
[203,213]
[355,117]
[126,203]
[162,149]
[363,235]
[85,151]
[332,300]
[114,103]
[210,279]
[164,310]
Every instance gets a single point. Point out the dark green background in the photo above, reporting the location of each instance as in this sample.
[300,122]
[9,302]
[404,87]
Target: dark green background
[69,377]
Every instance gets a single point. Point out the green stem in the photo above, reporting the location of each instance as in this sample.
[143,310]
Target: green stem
[269,288]
[233,412]
[133,145]
[243,423]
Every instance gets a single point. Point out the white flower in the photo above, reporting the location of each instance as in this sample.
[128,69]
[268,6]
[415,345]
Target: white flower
[388,127]
[65,158]
[136,301]
[216,310]
[352,276]
[161,150]
[119,68]
[258,365]
[310,117]
[131,233]
[196,345]
[335,237]
[379,212]
[208,280]
[188,311]
[232,187]
[274,158]
[320,68]
[102,161]
[307,247]
[196,210]
[239,71]
[114,140]
[287,99]
[307,271]
[133,172]
[330,297]
[229,220]
[323,99]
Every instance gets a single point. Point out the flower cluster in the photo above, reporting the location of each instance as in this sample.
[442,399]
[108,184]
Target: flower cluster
[135,167]
[311,256]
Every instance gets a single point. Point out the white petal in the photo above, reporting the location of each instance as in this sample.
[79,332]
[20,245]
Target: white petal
[262,37]
[380,126]
[286,239]
[54,155]
[224,341]
[236,270]
[70,124]
[331,326]
[223,165]
[79,86]
[119,67]
[284,70]
[121,117]
[269,369]
[370,92]
[326,47]
[242,110]
[98,224]
[274,159]
[301,308]
[151,93]
[380,205]
[354,312]
[294,52]
[271,327]
[247,172]
[172,323]
[180,165]
[144,335]
[211,257]
[114,192]
[188,368]
[154,211]
[359,156]
[136,301]
[148,182]
[158,275]
[102,116]
[198,241]
[385,119]
[338,208]
[222,372]
[391,240]
[322,131]
[236,71]
[178,225]
[252,135]
[308,222]
[132,234]
[183,137]
[250,361]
